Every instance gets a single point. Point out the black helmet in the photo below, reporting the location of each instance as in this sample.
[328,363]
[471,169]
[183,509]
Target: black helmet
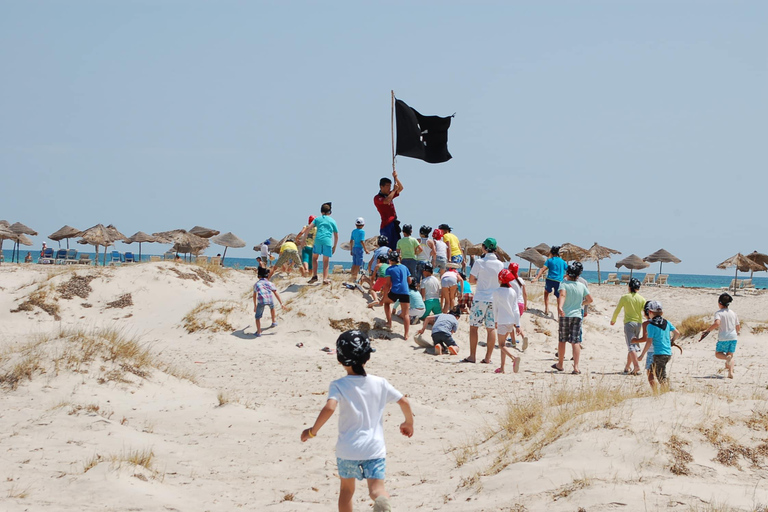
[393,256]
[574,269]
[634,284]
[428,267]
[407,228]
[425,230]
[382,258]
[725,299]
[383,241]
[444,227]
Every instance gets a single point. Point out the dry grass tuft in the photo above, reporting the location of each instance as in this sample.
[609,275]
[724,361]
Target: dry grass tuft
[759,328]
[288,497]
[143,458]
[464,453]
[17,493]
[576,485]
[693,325]
[680,457]
[758,421]
[223,398]
[348,324]
[205,270]
[40,298]
[210,316]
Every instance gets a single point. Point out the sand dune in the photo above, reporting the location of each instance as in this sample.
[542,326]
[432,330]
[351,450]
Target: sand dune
[146,390]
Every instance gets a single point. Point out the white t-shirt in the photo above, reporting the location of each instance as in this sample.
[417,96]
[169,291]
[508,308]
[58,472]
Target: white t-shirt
[431,287]
[505,309]
[264,251]
[518,290]
[361,415]
[441,249]
[728,323]
[486,271]
[426,250]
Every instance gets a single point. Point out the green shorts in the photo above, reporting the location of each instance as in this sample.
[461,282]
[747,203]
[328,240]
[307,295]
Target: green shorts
[432,307]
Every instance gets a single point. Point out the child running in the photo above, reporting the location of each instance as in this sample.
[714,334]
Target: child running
[443,327]
[507,316]
[262,297]
[662,334]
[633,304]
[728,328]
[360,449]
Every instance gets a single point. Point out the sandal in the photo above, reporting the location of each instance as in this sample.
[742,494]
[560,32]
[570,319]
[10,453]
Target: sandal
[575,372]
[554,366]
[466,360]
[498,370]
[483,361]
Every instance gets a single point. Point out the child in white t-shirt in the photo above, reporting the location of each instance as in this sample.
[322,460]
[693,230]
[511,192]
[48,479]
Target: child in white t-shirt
[507,316]
[728,327]
[360,449]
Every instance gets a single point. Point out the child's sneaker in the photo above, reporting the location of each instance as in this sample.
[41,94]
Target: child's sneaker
[274,324]
[454,350]
[382,505]
[525,343]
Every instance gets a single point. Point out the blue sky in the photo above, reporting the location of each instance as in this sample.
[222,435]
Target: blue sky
[638,125]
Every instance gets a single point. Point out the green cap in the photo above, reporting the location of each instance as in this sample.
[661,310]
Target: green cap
[490,244]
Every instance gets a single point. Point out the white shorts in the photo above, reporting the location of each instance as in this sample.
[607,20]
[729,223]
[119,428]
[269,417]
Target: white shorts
[505,329]
[448,280]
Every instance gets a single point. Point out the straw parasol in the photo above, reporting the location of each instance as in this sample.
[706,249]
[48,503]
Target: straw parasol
[20,229]
[533,257]
[597,253]
[275,246]
[542,249]
[662,257]
[757,257]
[228,240]
[65,232]
[477,250]
[203,232]
[5,234]
[99,235]
[183,241]
[465,244]
[632,262]
[140,237]
[571,252]
[742,263]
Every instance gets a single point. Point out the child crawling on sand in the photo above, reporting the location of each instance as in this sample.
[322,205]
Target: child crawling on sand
[361,398]
[728,327]
[443,327]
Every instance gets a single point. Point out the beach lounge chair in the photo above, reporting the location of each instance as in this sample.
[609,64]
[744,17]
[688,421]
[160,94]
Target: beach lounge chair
[650,280]
[216,260]
[61,255]
[170,255]
[71,257]
[524,275]
[338,269]
[612,279]
[128,258]
[663,280]
[47,257]
[733,286]
[85,259]
[624,279]
[201,260]
[115,258]
[155,258]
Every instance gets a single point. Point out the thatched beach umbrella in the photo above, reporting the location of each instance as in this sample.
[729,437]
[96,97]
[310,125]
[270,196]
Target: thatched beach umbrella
[597,253]
[183,241]
[542,249]
[632,262]
[275,247]
[742,263]
[662,257]
[533,257]
[5,234]
[99,235]
[477,250]
[757,257]
[572,252]
[22,239]
[65,232]
[20,229]
[140,237]
[203,232]
[228,240]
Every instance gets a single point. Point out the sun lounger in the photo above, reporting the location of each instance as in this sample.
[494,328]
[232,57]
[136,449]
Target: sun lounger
[61,255]
[85,259]
[170,255]
[216,260]
[115,258]
[338,269]
[662,281]
[128,258]
[624,279]
[155,258]
[612,279]
[650,280]
[201,260]
[71,257]
[47,257]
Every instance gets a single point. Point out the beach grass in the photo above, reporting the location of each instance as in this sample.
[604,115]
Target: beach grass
[693,325]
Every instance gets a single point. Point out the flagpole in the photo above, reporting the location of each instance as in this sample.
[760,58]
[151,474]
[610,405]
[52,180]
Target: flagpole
[392,126]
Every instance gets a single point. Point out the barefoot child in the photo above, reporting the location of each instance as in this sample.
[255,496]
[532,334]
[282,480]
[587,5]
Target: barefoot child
[357,247]
[443,327]
[507,316]
[662,334]
[728,327]
[361,398]
[633,304]
[263,291]
[399,279]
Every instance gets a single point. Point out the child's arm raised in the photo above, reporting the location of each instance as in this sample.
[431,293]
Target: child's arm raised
[325,414]
[406,427]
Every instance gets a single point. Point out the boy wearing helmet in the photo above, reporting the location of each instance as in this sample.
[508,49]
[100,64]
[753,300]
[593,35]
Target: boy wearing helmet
[662,334]
[573,297]
[427,253]
[633,304]
[409,248]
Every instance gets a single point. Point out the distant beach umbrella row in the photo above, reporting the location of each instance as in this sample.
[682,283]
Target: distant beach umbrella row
[742,264]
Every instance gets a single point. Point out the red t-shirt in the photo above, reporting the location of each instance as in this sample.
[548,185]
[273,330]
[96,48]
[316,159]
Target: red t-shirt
[387,211]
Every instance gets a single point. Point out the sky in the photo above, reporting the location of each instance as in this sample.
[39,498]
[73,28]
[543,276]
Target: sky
[639,125]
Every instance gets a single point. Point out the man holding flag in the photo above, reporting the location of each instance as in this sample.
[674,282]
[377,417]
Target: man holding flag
[390,226]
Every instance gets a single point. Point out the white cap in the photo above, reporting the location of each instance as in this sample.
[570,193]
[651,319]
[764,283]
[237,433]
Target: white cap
[360,221]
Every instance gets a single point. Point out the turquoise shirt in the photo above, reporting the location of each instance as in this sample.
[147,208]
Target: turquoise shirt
[575,293]
[556,268]
[358,237]
[662,342]
[326,227]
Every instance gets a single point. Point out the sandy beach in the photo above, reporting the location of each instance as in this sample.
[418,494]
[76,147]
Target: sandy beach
[143,388]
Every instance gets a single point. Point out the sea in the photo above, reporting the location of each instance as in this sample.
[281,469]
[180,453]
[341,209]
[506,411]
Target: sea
[677,280]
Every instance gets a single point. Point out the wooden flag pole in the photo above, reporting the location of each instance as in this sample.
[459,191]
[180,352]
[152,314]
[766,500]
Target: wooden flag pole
[392,127]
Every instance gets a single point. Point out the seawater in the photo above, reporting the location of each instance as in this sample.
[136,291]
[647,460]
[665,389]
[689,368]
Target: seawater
[677,280]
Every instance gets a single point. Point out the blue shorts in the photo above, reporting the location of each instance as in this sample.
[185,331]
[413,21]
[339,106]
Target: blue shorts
[458,259]
[552,286]
[322,249]
[726,347]
[360,469]
[357,256]
[260,310]
[648,360]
